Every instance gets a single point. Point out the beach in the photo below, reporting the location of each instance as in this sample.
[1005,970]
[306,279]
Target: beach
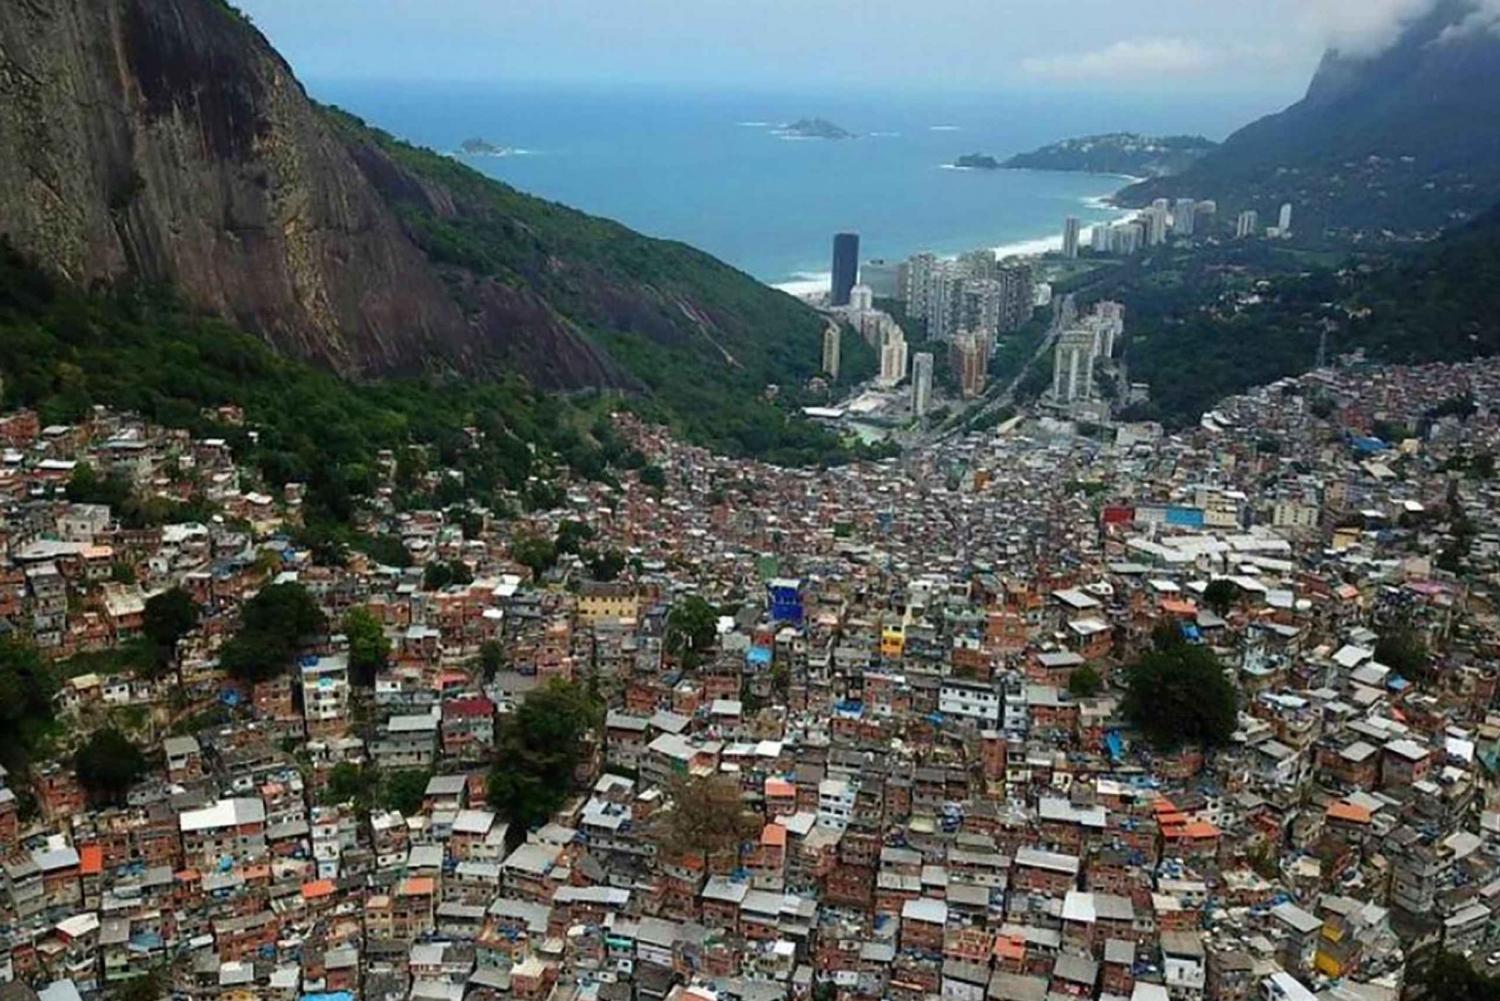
[809,285]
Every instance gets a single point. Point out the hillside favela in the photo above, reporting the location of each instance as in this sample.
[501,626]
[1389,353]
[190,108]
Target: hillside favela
[1020,527]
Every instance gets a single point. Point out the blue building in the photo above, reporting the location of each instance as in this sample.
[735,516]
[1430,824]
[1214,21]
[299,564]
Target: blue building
[785,596]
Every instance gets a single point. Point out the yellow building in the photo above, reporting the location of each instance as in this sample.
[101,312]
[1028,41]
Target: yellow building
[598,601]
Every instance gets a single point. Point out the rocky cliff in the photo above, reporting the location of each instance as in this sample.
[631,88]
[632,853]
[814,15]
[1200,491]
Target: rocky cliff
[166,141]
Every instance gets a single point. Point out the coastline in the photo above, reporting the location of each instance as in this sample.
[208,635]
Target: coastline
[808,284]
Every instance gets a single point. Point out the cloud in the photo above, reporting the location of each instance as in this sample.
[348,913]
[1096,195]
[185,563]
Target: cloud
[1128,60]
[1364,28]
[1485,17]
[1147,59]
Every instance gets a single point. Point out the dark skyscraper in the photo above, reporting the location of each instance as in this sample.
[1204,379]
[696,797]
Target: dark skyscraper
[845,267]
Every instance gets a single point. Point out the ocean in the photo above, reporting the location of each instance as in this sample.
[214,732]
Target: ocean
[708,169]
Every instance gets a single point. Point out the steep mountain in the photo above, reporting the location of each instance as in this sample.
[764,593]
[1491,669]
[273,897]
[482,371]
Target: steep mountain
[1117,153]
[165,141]
[1399,141]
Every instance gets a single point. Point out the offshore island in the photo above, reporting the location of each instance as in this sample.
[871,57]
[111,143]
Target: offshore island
[483,147]
[815,128]
[1124,153]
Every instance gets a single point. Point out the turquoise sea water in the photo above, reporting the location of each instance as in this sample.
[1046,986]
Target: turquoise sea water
[709,170]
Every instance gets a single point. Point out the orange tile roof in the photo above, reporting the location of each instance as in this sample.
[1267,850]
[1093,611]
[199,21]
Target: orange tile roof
[779,787]
[1179,607]
[188,875]
[1196,829]
[417,886]
[773,835]
[91,860]
[317,888]
[1010,947]
[1351,812]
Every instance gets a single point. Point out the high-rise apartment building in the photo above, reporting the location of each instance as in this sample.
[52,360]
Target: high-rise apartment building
[1156,223]
[921,383]
[913,280]
[1182,217]
[1248,224]
[1099,239]
[832,342]
[1284,222]
[892,357]
[1071,226]
[1205,217]
[861,299]
[1073,366]
[845,267]
[971,362]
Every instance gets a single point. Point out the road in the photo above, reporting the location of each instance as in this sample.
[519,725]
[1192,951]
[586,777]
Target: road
[1006,397]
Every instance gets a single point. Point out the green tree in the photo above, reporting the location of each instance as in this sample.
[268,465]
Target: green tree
[1179,694]
[87,487]
[1084,683]
[1403,651]
[707,816]
[369,647]
[122,573]
[440,575]
[540,746]
[1449,977]
[108,765]
[169,617]
[26,686]
[572,536]
[491,658]
[535,553]
[1221,595]
[273,626]
[471,523]
[349,783]
[654,476]
[692,630]
[607,566]
[147,987]
[404,790]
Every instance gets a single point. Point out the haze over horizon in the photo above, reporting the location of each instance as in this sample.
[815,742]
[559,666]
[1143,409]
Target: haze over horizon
[1269,48]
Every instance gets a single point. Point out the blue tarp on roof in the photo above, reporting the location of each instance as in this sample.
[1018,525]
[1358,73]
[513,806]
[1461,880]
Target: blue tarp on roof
[758,656]
[1368,445]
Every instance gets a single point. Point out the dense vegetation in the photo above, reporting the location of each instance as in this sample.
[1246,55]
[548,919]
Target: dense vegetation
[540,745]
[707,816]
[704,340]
[1178,694]
[1210,322]
[1449,977]
[107,765]
[274,625]
[64,350]
[26,690]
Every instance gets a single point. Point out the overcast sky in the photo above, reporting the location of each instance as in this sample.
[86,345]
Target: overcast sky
[1266,47]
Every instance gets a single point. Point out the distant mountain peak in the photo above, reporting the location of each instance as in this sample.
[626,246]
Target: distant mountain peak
[1395,141]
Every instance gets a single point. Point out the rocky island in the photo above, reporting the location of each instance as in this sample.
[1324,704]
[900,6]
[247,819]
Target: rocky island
[482,147]
[977,161]
[814,128]
[1124,153]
